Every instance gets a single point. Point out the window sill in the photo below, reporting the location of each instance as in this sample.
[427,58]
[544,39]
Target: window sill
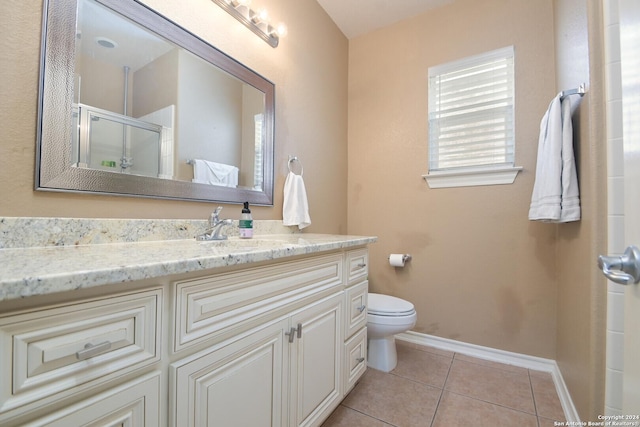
[472,177]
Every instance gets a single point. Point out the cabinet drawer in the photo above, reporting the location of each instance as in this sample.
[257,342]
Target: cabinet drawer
[212,306]
[134,404]
[48,351]
[356,308]
[358,265]
[355,358]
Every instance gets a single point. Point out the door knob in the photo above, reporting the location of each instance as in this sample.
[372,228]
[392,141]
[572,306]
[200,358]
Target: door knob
[624,269]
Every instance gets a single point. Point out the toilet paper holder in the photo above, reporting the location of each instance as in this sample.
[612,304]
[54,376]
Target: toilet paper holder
[405,257]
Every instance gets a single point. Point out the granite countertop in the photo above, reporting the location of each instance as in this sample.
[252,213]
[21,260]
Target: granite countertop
[39,270]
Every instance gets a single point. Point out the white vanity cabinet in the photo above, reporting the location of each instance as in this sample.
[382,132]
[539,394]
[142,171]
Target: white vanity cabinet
[284,373]
[277,343]
[277,336]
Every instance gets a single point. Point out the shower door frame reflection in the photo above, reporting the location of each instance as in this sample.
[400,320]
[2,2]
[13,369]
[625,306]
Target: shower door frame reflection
[125,162]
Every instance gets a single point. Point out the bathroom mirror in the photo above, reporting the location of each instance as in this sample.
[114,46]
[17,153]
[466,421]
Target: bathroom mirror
[133,104]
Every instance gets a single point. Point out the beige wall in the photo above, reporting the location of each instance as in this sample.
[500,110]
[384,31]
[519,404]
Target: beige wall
[581,287]
[309,69]
[481,272]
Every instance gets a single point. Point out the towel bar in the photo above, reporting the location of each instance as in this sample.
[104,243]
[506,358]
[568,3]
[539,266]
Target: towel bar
[580,90]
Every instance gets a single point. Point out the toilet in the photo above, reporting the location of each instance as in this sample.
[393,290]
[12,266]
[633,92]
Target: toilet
[386,316]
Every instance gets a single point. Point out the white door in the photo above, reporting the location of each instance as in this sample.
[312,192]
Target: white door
[630,53]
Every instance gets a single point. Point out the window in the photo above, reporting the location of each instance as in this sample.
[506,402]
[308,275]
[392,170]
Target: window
[259,143]
[471,121]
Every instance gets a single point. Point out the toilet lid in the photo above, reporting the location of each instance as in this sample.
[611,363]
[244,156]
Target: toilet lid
[386,305]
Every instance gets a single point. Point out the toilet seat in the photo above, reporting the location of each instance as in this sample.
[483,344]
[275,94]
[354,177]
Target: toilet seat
[386,305]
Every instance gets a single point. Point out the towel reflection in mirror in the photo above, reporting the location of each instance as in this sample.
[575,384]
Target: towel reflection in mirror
[208,172]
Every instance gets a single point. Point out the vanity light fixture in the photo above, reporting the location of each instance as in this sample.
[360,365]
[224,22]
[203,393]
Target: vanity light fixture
[256,21]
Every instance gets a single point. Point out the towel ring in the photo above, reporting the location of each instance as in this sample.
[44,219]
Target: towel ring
[295,159]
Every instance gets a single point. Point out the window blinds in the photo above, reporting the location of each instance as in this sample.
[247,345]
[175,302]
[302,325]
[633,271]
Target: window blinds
[258,146]
[471,112]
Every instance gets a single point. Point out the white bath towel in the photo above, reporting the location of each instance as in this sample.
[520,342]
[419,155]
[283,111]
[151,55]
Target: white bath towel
[295,209]
[556,197]
[207,172]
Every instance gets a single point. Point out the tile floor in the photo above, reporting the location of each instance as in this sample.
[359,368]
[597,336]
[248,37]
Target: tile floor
[435,388]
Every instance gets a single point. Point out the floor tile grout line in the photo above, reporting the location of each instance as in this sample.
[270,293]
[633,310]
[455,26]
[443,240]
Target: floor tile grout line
[413,380]
[492,403]
[444,384]
[361,412]
[368,415]
[535,414]
[533,394]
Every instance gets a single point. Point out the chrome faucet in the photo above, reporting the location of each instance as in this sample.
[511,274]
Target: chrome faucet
[215,226]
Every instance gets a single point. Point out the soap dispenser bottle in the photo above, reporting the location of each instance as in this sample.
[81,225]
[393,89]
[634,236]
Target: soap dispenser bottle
[246,223]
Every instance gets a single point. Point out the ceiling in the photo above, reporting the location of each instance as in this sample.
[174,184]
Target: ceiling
[130,44]
[358,17]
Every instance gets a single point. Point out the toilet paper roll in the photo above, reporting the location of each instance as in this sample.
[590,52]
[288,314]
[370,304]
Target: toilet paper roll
[396,260]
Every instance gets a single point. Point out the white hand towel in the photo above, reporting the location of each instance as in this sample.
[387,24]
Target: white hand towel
[295,209]
[556,197]
[570,204]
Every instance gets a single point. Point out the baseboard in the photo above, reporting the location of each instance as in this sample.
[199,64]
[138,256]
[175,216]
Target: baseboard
[501,356]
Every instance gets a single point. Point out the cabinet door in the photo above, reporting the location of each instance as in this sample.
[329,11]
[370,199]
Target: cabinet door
[238,383]
[315,362]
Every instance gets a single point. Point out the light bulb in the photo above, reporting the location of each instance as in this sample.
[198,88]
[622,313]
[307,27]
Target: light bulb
[238,3]
[261,15]
[281,30]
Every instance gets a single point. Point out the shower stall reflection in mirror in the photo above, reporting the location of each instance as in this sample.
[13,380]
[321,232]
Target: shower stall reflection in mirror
[114,142]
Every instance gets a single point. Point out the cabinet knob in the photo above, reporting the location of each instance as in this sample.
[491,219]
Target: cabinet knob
[362,308]
[91,350]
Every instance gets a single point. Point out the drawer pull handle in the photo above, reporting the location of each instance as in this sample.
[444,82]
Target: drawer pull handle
[362,308]
[361,266]
[360,360]
[91,350]
[299,330]
[291,334]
